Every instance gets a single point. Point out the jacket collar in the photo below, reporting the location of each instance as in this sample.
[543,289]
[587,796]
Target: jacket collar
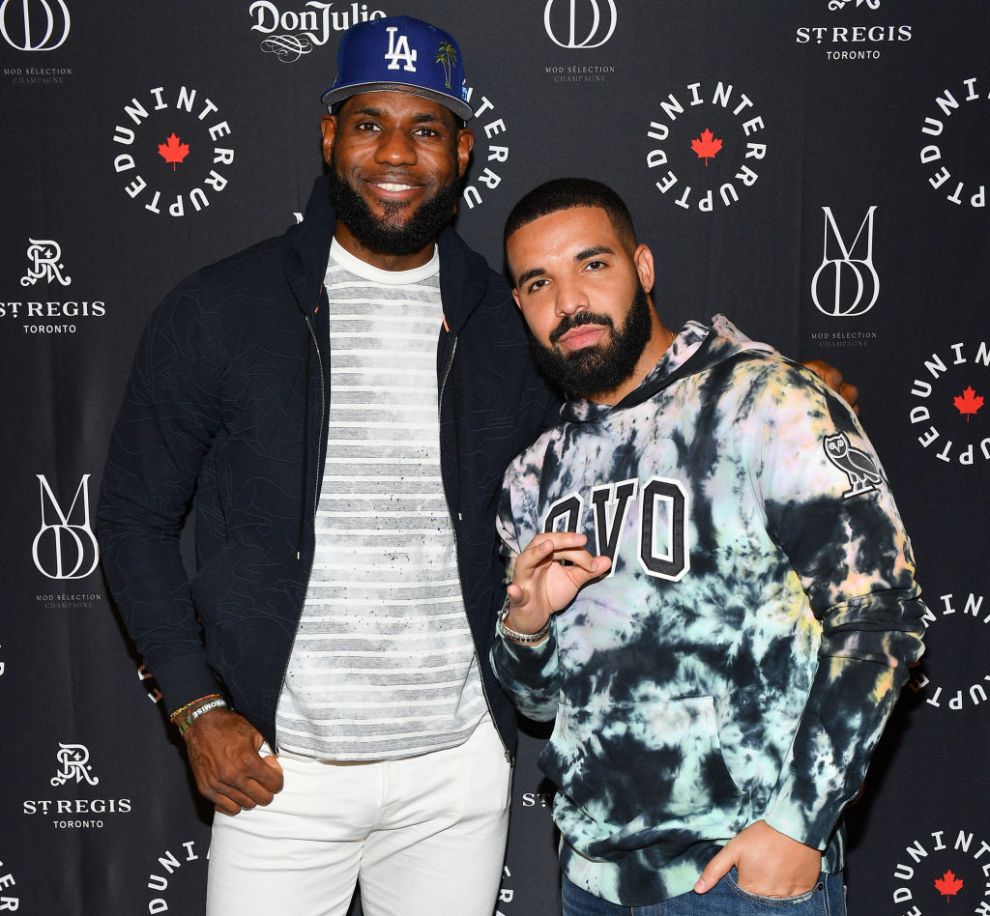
[306,251]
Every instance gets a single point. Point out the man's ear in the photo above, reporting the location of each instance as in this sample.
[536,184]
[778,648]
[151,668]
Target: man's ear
[515,295]
[643,259]
[465,143]
[328,127]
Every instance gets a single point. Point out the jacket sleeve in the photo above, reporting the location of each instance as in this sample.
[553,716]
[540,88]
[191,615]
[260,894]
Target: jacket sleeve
[167,423]
[529,674]
[829,508]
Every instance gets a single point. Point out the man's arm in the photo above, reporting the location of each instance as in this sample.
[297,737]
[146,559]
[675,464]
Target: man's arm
[836,381]
[539,586]
[166,426]
[829,508]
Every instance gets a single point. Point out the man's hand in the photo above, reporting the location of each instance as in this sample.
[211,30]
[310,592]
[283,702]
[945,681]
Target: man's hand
[541,584]
[833,378]
[769,863]
[223,753]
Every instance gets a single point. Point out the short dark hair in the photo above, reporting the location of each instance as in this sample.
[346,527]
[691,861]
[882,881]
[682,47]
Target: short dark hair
[566,193]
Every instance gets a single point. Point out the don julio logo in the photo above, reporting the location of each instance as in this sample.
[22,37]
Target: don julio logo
[937,694]
[846,283]
[292,34]
[65,546]
[576,24]
[34,25]
[952,396]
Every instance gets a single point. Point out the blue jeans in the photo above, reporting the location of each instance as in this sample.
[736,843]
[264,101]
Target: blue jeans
[827,898]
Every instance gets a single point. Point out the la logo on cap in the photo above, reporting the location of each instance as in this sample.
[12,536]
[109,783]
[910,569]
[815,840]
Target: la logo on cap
[398,49]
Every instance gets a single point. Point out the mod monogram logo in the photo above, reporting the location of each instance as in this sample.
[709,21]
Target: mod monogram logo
[34,25]
[846,282]
[65,546]
[593,31]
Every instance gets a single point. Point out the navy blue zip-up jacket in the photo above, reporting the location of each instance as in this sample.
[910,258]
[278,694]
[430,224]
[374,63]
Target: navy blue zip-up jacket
[228,400]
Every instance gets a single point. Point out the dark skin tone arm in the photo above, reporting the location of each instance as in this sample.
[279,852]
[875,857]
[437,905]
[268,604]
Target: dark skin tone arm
[833,378]
[222,747]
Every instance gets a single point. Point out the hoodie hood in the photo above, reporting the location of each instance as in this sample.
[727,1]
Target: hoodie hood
[696,348]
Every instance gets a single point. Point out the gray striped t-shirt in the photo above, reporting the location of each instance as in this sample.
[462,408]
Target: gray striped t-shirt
[383,665]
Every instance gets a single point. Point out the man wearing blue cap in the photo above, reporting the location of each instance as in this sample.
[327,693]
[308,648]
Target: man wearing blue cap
[343,705]
[329,660]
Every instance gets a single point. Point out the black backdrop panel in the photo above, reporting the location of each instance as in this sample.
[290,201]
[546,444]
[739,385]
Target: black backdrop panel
[816,169]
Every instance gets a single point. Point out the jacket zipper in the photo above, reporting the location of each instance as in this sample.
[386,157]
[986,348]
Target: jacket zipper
[319,436]
[477,661]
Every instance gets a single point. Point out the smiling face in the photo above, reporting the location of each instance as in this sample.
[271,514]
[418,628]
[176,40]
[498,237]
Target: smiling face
[583,290]
[395,161]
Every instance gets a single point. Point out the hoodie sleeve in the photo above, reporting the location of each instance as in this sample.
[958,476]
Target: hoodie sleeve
[528,674]
[166,425]
[829,508]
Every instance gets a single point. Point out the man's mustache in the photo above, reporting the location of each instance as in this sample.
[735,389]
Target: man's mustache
[575,321]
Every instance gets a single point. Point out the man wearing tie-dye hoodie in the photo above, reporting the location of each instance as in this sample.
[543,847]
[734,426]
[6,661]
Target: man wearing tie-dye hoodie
[712,592]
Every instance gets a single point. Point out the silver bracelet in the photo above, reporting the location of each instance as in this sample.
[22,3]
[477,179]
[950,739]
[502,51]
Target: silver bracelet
[523,639]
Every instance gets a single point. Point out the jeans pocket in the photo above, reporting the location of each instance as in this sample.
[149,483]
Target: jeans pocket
[810,902]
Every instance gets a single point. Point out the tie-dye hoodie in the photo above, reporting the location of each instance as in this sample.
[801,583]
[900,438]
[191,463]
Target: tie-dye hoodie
[742,656]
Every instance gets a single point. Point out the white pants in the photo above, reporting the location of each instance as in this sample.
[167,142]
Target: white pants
[424,835]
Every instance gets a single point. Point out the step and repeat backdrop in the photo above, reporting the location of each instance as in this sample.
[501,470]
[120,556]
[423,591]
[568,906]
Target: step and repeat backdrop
[815,169]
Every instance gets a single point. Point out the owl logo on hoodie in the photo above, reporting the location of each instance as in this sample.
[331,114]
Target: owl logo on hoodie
[863,472]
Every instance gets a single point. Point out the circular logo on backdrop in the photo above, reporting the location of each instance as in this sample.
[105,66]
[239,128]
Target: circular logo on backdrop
[174,150]
[955,166]
[707,146]
[944,866]
[9,898]
[177,879]
[948,416]
[942,686]
[491,150]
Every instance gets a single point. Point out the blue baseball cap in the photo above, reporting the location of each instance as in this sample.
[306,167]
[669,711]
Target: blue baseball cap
[400,54]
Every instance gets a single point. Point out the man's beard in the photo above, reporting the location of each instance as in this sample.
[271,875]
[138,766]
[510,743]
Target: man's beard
[600,369]
[385,235]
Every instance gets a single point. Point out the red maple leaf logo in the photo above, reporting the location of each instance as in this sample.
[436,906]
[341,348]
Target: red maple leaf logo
[968,403]
[706,146]
[948,885]
[173,150]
